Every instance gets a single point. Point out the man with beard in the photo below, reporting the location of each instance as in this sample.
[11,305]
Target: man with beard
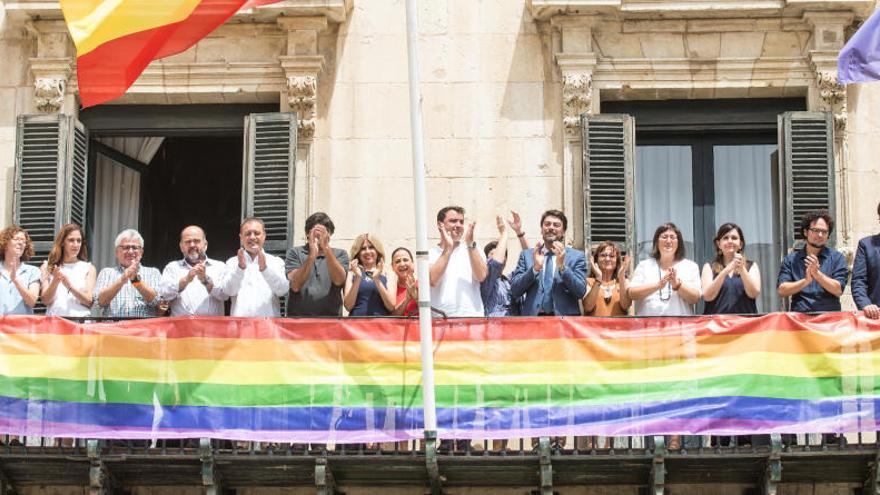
[192,285]
[128,289]
[551,275]
[815,275]
[457,268]
[254,278]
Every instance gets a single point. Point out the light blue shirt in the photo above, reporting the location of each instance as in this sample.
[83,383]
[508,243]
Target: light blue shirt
[11,302]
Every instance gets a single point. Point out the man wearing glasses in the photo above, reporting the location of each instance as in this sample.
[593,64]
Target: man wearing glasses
[815,275]
[128,289]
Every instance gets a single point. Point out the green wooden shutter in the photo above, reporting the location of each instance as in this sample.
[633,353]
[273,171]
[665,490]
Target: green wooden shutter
[608,179]
[51,176]
[806,144]
[269,171]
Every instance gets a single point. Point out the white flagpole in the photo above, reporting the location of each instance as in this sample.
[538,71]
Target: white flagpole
[418,163]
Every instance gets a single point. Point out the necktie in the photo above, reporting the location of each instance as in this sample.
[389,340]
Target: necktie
[547,284]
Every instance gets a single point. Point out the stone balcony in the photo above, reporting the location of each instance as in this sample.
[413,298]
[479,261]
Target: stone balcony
[545,9]
[333,10]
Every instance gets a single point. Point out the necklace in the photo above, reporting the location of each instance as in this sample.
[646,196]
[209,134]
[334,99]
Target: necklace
[607,290]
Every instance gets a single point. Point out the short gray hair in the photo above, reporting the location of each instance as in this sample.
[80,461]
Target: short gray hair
[129,234]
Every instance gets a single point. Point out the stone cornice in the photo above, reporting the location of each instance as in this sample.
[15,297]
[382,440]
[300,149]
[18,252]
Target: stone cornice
[333,10]
[654,9]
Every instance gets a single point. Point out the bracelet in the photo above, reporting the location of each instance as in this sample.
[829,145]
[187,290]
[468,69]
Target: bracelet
[521,234]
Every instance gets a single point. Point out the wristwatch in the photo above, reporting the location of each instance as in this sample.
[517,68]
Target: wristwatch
[136,280]
[472,245]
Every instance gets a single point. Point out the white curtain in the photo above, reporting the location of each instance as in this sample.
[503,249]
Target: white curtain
[664,193]
[118,193]
[744,195]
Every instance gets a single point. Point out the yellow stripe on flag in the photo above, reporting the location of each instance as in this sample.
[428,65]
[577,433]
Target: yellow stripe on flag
[94,22]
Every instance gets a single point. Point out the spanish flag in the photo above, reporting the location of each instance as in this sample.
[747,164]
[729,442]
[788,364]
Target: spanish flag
[116,39]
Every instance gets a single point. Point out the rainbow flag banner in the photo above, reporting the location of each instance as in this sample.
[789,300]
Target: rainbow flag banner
[116,39]
[358,380]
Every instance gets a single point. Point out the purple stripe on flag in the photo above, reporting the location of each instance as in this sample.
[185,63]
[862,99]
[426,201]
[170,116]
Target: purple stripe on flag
[859,60]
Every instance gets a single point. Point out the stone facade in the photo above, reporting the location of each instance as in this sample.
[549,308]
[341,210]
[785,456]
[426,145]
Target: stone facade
[503,82]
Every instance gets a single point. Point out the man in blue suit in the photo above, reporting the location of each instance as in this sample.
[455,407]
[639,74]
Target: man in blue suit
[866,275]
[552,277]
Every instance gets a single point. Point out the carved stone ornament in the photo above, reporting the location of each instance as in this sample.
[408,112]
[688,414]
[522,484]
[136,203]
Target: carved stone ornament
[49,94]
[833,96]
[577,93]
[302,97]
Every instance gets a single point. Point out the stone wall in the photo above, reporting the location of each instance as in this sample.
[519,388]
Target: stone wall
[16,97]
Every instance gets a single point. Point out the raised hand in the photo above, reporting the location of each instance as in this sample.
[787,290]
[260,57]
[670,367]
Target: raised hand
[199,271]
[538,256]
[131,271]
[499,222]
[446,242]
[378,269]
[354,266]
[597,272]
[242,262]
[738,263]
[261,259]
[469,233]
[623,269]
[515,222]
[558,249]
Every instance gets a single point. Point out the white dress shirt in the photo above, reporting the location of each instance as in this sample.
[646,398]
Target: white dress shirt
[194,300]
[255,292]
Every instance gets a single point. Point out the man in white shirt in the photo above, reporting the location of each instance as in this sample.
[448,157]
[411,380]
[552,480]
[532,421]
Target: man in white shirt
[192,285]
[254,279]
[457,267]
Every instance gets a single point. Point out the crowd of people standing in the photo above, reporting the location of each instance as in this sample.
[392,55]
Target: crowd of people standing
[549,278]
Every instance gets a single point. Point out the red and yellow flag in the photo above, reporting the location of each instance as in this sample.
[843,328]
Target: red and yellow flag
[116,39]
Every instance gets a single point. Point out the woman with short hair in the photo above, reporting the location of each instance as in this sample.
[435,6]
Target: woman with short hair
[607,295]
[731,283]
[666,284]
[67,277]
[19,282]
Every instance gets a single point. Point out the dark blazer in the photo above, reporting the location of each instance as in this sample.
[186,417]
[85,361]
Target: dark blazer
[569,286]
[866,272]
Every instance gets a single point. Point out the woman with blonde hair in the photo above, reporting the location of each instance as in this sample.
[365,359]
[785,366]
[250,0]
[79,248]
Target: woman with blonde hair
[366,288]
[67,277]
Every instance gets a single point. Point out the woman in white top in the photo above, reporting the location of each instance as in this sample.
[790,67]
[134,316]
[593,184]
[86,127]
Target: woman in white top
[67,278]
[666,284]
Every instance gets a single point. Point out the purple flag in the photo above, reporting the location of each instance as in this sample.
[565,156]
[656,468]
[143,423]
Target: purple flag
[859,60]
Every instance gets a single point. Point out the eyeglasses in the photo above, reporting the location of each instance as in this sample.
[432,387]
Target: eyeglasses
[669,237]
[818,231]
[129,248]
[608,255]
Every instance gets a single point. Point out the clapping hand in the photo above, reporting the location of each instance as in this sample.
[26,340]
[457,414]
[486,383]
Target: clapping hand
[354,266]
[377,270]
[242,261]
[469,233]
[261,259]
[558,249]
[538,256]
[446,242]
[515,222]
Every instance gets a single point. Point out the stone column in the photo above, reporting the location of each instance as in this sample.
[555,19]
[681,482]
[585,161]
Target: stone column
[302,64]
[52,68]
[829,96]
[576,61]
